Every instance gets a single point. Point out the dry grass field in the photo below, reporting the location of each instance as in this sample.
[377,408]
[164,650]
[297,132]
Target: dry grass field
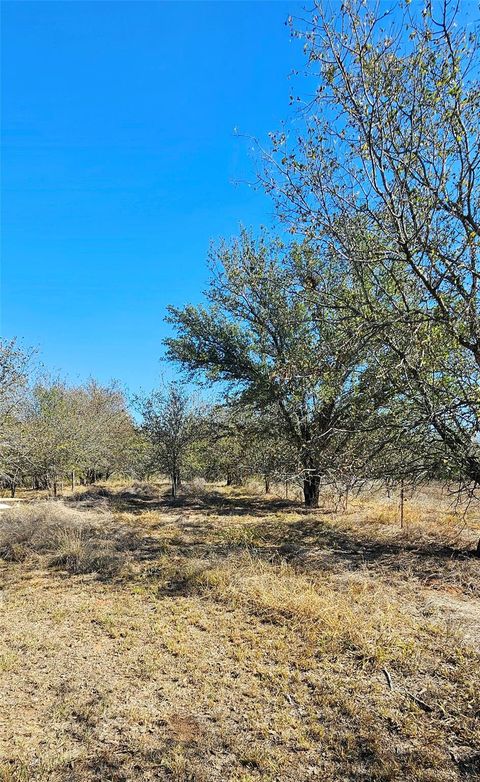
[233,638]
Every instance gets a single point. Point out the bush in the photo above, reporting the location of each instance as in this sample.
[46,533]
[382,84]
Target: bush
[74,538]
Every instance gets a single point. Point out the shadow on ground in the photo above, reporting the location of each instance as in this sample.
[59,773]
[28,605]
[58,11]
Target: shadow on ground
[208,502]
[212,526]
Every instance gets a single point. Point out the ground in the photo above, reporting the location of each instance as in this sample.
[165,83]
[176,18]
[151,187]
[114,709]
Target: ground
[247,639]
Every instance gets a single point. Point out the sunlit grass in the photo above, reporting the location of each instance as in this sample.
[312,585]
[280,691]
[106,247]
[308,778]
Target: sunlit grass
[245,643]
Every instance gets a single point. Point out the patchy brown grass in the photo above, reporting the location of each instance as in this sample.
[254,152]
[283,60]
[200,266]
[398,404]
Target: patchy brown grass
[247,640]
[72,538]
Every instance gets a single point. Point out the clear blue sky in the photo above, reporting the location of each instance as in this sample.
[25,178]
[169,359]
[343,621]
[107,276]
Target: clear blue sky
[120,162]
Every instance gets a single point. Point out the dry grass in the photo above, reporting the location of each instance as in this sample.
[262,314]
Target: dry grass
[248,640]
[71,537]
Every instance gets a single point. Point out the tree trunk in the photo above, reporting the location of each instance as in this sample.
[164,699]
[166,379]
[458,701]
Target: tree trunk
[73,480]
[311,490]
[54,488]
[267,484]
[13,487]
[402,504]
[174,485]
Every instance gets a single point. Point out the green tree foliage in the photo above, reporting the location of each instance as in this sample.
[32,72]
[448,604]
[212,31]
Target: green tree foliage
[64,432]
[262,337]
[14,366]
[172,425]
[383,178]
[241,443]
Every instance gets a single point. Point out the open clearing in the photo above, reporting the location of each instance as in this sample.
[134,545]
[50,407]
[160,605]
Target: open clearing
[246,639]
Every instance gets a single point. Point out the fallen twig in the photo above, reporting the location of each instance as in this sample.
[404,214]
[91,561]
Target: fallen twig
[419,702]
[388,678]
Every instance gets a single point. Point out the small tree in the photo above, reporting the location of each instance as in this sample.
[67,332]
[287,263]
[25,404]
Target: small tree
[14,364]
[60,431]
[224,451]
[241,442]
[52,433]
[171,425]
[107,433]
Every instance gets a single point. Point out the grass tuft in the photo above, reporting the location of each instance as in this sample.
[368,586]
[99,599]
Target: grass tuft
[71,537]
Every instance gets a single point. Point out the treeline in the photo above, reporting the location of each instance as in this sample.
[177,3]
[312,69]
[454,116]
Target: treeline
[351,350]
[55,436]
[52,432]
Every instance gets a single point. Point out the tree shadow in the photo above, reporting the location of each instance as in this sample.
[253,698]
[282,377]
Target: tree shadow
[313,545]
[198,526]
[207,502]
